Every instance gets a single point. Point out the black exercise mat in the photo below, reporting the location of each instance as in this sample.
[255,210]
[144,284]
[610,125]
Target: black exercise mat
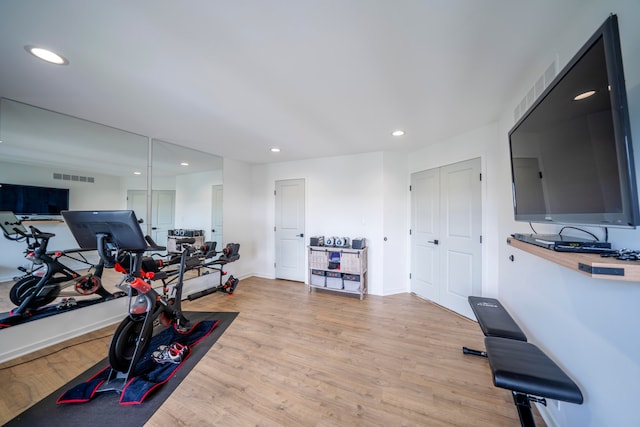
[104,409]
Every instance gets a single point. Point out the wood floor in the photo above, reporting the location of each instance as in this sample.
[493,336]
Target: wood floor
[294,358]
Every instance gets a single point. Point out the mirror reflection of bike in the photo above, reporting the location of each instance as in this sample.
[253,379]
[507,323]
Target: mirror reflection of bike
[48,277]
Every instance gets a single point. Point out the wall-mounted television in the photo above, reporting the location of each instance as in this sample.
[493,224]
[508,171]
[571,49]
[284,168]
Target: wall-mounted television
[28,200]
[571,152]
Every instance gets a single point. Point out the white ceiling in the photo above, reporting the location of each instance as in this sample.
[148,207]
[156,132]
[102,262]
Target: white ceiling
[313,77]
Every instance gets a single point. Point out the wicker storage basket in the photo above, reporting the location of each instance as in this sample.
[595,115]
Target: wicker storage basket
[318,259]
[352,262]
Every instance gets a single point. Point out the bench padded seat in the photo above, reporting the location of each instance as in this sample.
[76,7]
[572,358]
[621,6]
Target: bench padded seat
[522,367]
[494,320]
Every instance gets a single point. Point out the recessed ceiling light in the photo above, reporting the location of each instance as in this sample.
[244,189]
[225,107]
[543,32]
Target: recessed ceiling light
[275,150]
[47,55]
[397,132]
[584,95]
[184,164]
[137,173]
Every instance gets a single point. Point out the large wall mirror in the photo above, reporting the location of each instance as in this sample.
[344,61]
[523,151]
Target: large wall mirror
[187,193]
[102,168]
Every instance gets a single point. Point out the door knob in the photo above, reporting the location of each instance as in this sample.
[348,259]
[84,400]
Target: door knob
[300,235]
[435,242]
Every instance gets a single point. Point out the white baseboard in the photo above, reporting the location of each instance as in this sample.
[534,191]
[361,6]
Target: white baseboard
[546,415]
[262,276]
[395,291]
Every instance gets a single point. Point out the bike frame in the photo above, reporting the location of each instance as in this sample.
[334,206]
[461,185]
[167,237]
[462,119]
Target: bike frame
[157,305]
[55,272]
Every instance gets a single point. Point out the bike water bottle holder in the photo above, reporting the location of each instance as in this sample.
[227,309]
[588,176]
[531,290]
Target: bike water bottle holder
[139,304]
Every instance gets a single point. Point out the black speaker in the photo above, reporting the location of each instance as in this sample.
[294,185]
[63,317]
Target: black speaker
[316,241]
[359,243]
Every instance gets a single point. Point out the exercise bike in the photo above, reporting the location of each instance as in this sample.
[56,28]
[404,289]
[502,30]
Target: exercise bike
[148,307]
[49,277]
[118,239]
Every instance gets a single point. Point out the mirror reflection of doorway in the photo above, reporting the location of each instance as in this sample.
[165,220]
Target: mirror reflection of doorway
[162,211]
[216,216]
[528,180]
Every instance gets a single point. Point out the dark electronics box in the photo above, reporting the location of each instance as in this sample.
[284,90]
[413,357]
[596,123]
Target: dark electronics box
[359,243]
[186,233]
[316,241]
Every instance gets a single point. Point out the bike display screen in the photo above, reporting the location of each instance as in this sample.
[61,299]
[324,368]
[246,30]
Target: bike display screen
[122,227]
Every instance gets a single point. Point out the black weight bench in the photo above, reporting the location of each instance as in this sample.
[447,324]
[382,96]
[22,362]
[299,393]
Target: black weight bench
[518,365]
[494,320]
[530,374]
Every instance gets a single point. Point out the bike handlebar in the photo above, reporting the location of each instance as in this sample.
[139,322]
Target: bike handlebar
[153,245]
[37,234]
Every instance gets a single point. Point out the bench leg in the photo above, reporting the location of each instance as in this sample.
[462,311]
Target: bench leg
[524,407]
[473,352]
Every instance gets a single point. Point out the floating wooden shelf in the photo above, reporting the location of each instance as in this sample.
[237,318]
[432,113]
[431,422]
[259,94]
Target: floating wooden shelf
[592,265]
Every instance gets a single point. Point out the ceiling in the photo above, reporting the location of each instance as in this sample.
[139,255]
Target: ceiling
[314,78]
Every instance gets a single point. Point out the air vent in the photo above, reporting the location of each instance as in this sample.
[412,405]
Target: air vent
[77,178]
[536,90]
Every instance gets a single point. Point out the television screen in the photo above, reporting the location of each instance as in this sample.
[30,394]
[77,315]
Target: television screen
[31,200]
[571,153]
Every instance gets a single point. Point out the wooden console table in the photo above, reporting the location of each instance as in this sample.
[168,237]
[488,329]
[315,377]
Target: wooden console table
[592,265]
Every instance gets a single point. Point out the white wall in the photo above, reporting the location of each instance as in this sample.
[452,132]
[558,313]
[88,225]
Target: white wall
[396,219]
[238,216]
[589,326]
[345,196]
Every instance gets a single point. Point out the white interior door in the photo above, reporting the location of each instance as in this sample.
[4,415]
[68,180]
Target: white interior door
[529,181]
[216,216]
[446,223]
[289,230]
[163,215]
[162,212]
[137,202]
[461,227]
